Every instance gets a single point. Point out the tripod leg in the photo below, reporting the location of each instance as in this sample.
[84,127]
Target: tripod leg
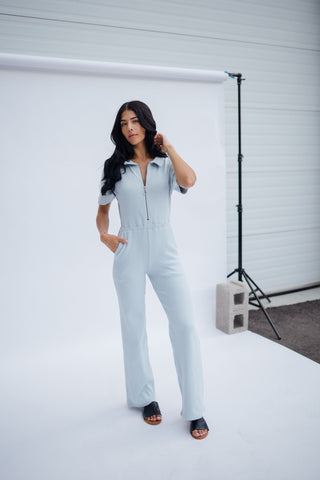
[258,288]
[261,306]
[234,271]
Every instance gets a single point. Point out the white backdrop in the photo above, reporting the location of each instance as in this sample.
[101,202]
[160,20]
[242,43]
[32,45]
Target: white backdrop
[55,125]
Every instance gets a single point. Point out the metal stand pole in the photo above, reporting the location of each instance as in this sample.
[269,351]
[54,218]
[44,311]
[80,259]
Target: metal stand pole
[241,271]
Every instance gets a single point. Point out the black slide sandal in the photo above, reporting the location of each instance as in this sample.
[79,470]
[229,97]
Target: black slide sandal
[199,424]
[149,411]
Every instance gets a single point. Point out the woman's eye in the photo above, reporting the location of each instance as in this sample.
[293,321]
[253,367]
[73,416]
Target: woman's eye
[135,121]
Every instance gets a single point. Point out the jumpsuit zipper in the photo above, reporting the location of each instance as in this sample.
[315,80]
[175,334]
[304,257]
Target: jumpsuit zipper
[145,198]
[145,191]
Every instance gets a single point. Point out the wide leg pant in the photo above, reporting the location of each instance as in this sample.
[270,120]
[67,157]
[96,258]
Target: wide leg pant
[152,251]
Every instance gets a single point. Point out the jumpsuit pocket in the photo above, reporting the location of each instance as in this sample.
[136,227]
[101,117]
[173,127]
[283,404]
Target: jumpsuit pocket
[119,248]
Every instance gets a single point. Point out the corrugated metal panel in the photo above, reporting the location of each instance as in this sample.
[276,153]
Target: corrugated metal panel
[276,45]
[281,197]
[281,260]
[254,21]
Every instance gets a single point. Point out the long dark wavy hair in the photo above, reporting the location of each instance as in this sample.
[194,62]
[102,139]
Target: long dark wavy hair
[124,150]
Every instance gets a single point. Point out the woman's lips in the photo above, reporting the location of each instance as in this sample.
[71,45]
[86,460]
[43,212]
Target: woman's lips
[133,135]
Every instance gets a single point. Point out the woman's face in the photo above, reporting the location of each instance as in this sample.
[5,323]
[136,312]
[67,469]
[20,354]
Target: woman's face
[131,128]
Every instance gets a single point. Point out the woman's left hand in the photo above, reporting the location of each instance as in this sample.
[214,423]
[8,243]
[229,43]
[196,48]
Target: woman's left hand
[161,141]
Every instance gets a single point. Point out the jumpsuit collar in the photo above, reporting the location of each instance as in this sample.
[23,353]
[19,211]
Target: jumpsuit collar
[156,161]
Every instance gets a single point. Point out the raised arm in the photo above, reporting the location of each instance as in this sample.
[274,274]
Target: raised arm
[185,175]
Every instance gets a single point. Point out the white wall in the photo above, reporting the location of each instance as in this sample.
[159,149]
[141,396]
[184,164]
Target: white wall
[56,274]
[275,45]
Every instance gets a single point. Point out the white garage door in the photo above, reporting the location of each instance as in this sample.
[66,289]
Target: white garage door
[276,45]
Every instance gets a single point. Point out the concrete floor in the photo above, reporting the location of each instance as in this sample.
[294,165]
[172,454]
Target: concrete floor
[291,298]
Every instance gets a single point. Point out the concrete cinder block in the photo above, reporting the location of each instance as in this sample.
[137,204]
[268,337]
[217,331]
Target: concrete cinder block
[232,307]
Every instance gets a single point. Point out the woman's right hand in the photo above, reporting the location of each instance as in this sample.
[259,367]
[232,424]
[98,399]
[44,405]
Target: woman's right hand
[112,241]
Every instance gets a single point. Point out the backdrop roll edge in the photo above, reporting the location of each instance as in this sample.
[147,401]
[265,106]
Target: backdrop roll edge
[109,68]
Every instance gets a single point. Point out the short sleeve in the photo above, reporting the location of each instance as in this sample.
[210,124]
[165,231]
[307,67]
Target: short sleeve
[173,181]
[106,198]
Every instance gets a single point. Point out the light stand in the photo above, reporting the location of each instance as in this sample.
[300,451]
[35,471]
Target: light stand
[241,271]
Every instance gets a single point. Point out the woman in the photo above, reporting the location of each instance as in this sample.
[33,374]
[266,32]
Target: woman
[142,173]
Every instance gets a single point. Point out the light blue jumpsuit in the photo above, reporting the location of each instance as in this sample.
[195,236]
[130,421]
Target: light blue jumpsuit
[151,249]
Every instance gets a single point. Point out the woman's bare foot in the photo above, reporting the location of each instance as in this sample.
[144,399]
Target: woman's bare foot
[199,428]
[199,433]
[152,414]
[154,419]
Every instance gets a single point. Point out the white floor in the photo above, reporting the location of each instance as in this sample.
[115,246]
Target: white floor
[64,415]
